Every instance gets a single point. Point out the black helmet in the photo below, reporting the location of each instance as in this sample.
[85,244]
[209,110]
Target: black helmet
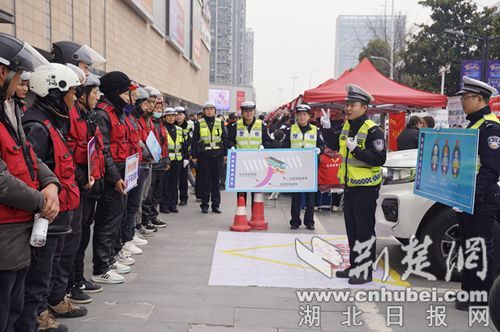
[18,55]
[74,53]
[115,83]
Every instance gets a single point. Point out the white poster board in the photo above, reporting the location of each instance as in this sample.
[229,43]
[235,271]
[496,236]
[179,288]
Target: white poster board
[271,170]
[131,172]
[153,146]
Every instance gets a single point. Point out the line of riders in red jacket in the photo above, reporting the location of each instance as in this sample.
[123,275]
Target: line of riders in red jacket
[45,172]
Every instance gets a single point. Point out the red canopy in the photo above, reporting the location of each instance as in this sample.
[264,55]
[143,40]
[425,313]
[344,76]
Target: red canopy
[384,90]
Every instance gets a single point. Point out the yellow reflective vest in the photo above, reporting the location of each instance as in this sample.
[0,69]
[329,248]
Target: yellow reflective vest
[248,139]
[175,146]
[211,140]
[299,140]
[354,172]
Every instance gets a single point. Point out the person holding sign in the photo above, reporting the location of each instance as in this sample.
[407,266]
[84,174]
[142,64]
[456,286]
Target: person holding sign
[363,151]
[208,152]
[475,96]
[176,151]
[111,119]
[302,135]
[248,132]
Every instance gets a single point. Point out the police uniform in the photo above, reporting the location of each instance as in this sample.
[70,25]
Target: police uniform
[300,137]
[187,128]
[487,199]
[361,175]
[207,147]
[251,136]
[175,137]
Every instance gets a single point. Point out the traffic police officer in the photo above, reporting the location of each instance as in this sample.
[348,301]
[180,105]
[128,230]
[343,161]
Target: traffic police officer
[303,135]
[475,95]
[248,132]
[362,147]
[187,128]
[208,152]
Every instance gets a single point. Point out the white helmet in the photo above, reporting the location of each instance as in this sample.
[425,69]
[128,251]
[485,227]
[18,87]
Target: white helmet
[52,76]
[25,75]
[209,104]
[153,92]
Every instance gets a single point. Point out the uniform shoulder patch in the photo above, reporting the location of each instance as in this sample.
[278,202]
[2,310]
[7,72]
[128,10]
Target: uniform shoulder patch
[494,142]
[379,144]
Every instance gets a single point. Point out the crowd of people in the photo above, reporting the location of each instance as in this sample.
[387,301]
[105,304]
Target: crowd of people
[48,171]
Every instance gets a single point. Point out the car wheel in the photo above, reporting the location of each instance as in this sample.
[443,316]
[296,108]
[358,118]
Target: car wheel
[443,230]
[494,303]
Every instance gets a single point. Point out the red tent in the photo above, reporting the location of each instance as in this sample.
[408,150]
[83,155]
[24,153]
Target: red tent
[384,90]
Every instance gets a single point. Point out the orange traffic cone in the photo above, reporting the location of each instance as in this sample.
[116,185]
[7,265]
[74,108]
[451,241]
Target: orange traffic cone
[257,222]
[240,219]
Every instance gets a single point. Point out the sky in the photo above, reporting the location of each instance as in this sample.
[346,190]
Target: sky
[296,38]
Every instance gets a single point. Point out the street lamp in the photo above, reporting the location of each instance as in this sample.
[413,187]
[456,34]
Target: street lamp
[391,74]
[443,70]
[485,40]
[312,73]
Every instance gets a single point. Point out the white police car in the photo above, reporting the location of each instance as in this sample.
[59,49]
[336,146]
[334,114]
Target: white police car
[401,213]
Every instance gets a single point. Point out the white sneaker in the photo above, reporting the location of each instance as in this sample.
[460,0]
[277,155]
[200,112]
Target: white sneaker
[125,253]
[125,260]
[120,268]
[132,248]
[110,277]
[138,242]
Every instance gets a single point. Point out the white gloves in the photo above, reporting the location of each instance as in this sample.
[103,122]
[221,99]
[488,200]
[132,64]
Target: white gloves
[317,150]
[352,143]
[437,126]
[457,210]
[325,119]
[233,149]
[185,163]
[261,147]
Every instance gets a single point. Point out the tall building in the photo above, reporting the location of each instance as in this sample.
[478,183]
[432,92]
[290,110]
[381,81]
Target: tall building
[228,30]
[248,59]
[353,32]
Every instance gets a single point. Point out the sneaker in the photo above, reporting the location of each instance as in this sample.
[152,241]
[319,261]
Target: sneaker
[158,223]
[89,287]
[134,250]
[47,322]
[143,233]
[125,253]
[150,227]
[76,295]
[125,260]
[138,242]
[183,203]
[110,277]
[66,309]
[174,210]
[120,268]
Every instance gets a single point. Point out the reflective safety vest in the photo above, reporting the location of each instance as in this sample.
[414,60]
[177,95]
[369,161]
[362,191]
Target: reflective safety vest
[64,169]
[249,139]
[299,140]
[211,140]
[12,154]
[354,172]
[119,135]
[175,146]
[77,140]
[488,117]
[188,132]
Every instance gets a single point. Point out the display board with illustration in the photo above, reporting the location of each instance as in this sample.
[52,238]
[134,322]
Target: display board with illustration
[447,166]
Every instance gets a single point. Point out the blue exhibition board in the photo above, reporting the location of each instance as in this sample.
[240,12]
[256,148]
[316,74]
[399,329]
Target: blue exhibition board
[446,166]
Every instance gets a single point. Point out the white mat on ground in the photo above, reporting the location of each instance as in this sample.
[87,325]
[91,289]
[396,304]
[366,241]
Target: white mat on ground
[270,260]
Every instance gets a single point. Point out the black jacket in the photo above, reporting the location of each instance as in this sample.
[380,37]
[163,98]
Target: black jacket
[408,139]
[232,131]
[489,154]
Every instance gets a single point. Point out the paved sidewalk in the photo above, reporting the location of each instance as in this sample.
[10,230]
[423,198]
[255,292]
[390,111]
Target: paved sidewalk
[168,289]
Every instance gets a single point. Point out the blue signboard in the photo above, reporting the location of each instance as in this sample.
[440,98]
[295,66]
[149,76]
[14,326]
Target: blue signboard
[446,166]
[493,74]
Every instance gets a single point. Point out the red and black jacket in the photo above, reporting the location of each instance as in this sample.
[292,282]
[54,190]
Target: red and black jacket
[46,133]
[80,132]
[135,135]
[22,164]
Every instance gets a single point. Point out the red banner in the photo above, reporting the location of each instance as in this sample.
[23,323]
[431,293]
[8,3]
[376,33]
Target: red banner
[495,105]
[396,126]
[240,97]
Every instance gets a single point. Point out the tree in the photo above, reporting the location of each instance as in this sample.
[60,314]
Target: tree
[431,47]
[377,48]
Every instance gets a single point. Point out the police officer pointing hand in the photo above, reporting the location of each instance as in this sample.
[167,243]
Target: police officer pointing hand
[362,147]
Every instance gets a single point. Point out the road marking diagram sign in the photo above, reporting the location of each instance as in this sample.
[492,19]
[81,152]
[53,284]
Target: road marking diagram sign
[446,166]
[131,172]
[272,260]
[283,170]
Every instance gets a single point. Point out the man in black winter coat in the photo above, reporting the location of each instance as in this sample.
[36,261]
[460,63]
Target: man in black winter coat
[408,139]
